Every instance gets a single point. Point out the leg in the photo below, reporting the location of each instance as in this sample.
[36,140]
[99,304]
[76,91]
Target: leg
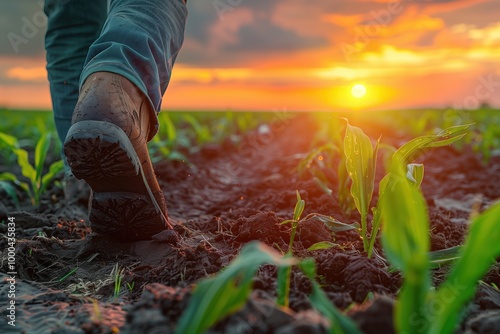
[140,41]
[125,75]
[73,25]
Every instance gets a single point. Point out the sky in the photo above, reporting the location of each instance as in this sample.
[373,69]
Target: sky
[300,55]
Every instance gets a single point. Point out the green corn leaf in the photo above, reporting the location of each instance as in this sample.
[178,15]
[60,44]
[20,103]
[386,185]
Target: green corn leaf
[405,221]
[346,201]
[405,240]
[7,176]
[481,247]
[322,245]
[444,256]
[41,149]
[176,155]
[414,148]
[358,151]
[299,207]
[9,141]
[415,173]
[13,178]
[54,169]
[283,283]
[26,168]
[323,186]
[288,221]
[361,163]
[339,323]
[217,297]
[203,134]
[10,190]
[10,177]
[307,161]
[333,224]
[169,124]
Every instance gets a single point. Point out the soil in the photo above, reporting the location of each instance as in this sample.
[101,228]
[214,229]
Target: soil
[226,196]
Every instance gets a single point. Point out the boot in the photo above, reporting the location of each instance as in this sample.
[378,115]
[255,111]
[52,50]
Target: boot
[107,147]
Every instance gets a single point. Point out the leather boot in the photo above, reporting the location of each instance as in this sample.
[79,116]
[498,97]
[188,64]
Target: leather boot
[107,147]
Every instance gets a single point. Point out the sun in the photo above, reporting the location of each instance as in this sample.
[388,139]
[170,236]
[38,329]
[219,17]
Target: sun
[358,91]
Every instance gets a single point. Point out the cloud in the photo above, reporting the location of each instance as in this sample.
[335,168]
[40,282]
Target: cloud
[27,73]
[244,33]
[23,26]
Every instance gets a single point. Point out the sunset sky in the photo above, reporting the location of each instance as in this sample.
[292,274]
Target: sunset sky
[302,55]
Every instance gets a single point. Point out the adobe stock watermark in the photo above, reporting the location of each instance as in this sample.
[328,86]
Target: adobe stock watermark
[365,33]
[224,6]
[11,272]
[423,318]
[31,26]
[486,87]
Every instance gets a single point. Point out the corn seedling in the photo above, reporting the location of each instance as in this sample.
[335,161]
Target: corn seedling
[360,163]
[284,274]
[165,144]
[339,323]
[224,294]
[38,182]
[227,292]
[406,243]
[130,286]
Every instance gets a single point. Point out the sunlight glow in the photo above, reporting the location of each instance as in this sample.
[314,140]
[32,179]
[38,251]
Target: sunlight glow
[358,91]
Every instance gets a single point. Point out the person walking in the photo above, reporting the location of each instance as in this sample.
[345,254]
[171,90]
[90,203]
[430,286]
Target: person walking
[108,71]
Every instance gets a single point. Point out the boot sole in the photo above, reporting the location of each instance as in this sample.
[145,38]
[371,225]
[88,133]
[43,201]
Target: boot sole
[123,204]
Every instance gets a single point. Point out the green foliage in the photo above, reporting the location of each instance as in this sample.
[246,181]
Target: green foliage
[167,144]
[361,162]
[415,173]
[339,323]
[284,274]
[117,274]
[181,133]
[406,243]
[481,247]
[217,297]
[38,182]
[416,147]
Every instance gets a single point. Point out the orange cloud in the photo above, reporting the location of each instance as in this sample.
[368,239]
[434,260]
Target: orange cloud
[27,73]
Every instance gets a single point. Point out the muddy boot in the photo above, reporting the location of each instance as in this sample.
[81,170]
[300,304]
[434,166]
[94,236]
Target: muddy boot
[107,147]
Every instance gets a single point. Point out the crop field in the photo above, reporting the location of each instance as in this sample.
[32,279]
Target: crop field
[360,222]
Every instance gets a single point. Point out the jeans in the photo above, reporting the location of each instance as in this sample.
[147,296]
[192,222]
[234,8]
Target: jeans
[138,39]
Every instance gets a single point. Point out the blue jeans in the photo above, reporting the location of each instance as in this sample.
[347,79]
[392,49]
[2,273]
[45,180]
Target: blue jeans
[138,39]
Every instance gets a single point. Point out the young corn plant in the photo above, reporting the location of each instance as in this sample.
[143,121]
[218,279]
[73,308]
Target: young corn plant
[405,239]
[361,160]
[38,182]
[227,292]
[217,297]
[165,144]
[361,163]
[284,274]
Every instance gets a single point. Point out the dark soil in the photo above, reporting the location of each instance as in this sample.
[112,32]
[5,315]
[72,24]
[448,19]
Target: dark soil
[226,197]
